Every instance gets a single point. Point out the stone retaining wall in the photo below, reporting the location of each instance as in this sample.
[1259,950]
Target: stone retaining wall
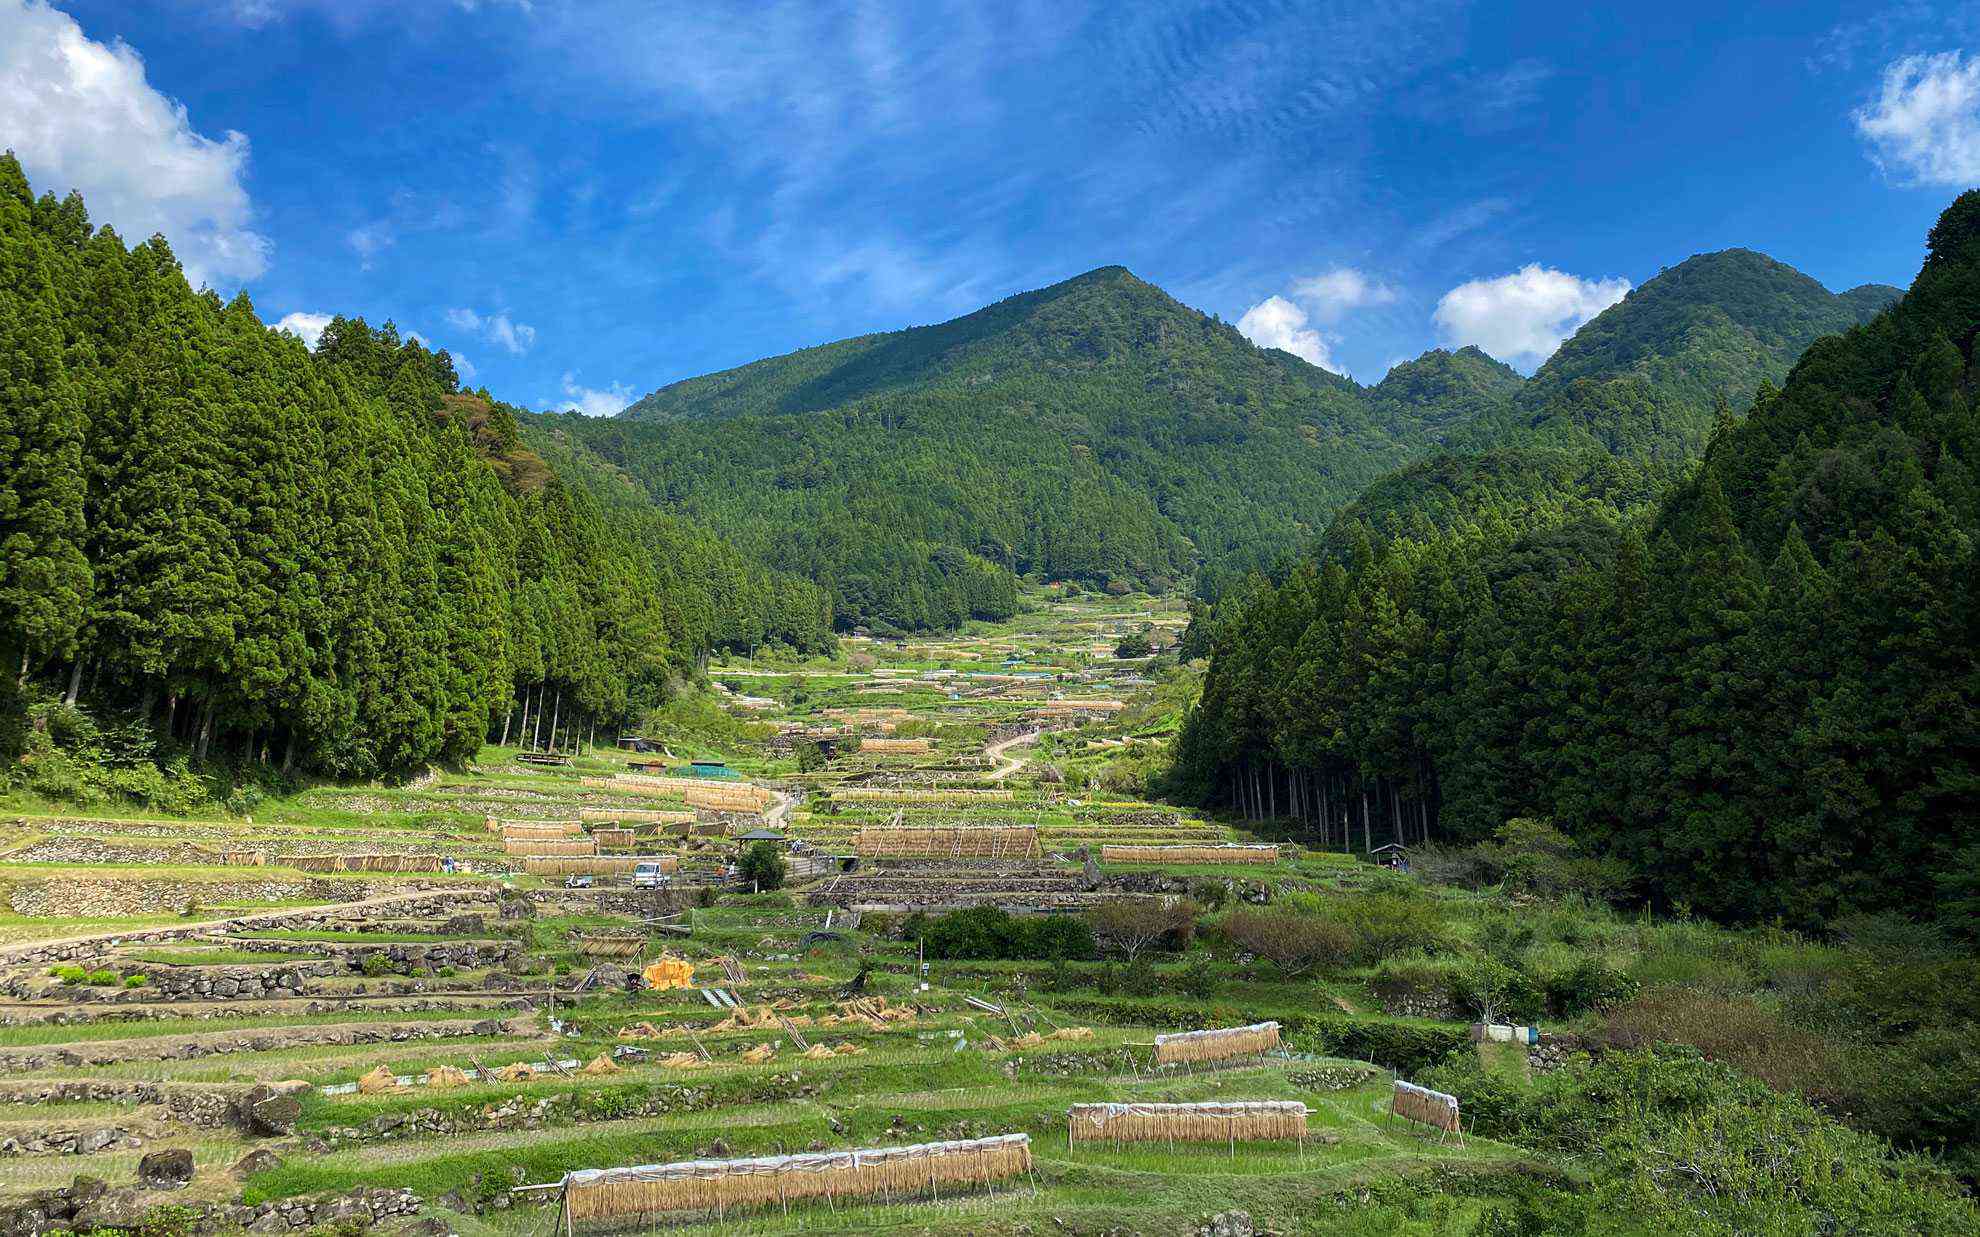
[89,1204]
[442,898]
[258,1039]
[201,1107]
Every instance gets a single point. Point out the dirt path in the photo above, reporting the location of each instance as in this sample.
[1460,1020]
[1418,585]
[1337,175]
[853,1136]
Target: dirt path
[780,812]
[1012,764]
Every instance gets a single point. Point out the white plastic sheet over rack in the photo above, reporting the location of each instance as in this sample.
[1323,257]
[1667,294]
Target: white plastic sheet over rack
[1100,1114]
[803,1161]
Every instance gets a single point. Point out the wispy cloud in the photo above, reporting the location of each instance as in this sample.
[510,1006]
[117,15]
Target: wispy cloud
[1924,126]
[513,337]
[81,115]
[369,240]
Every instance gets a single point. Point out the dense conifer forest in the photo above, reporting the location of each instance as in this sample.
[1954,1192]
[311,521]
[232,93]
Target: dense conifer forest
[1758,691]
[338,562]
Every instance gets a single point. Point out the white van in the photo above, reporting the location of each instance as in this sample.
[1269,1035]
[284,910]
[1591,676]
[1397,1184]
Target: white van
[648,876]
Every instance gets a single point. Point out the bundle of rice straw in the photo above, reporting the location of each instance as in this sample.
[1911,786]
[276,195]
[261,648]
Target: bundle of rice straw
[446,1076]
[760,1053]
[818,1052]
[521,1071]
[1072,1033]
[644,1030]
[1030,1039]
[850,1050]
[996,1044]
[1220,1044]
[380,1079]
[681,1060]
[601,1064]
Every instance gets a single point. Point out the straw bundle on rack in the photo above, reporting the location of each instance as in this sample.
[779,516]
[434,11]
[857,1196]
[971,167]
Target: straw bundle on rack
[380,1079]
[563,847]
[446,1076]
[635,816]
[778,1181]
[642,1030]
[564,828]
[1220,1121]
[691,789]
[933,794]
[594,865]
[244,858]
[1421,1104]
[533,831]
[860,716]
[668,972]
[951,841]
[1220,1044]
[610,944]
[601,1064]
[612,837]
[1189,854]
[362,863]
[897,747]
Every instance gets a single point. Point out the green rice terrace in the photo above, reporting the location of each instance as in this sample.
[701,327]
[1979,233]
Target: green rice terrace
[909,900]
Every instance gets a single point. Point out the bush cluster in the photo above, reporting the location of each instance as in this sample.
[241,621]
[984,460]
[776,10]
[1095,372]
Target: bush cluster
[985,933]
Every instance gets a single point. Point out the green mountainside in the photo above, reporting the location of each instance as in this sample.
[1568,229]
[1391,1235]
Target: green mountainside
[335,561]
[1759,692]
[1099,430]
[1096,429]
[1644,377]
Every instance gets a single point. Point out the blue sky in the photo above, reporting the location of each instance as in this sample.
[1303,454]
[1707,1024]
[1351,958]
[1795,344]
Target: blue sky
[586,199]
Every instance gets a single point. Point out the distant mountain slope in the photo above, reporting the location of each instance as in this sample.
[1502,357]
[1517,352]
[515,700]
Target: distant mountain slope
[1643,378]
[1442,390]
[1099,429]
[1096,429]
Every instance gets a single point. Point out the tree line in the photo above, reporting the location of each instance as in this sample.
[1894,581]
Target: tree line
[1760,691]
[335,561]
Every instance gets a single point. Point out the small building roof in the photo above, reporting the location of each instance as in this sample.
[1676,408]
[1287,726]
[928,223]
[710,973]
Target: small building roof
[760,835]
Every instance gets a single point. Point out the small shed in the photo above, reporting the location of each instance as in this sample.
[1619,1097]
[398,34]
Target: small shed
[761,835]
[716,769]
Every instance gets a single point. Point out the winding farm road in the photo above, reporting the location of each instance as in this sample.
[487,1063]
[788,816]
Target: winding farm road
[1011,764]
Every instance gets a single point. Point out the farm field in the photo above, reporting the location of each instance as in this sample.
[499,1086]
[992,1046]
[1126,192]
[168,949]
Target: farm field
[366,1003]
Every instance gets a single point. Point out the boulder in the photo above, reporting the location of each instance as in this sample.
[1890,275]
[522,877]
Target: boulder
[1228,1224]
[171,1169]
[270,1111]
[253,1162]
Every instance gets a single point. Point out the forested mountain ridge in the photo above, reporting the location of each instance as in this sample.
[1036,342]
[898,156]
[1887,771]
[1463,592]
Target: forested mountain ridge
[1100,430]
[1097,429]
[334,561]
[1765,697]
[1643,377]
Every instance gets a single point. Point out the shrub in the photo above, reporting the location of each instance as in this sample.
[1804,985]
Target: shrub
[1589,984]
[985,933]
[1734,1030]
[1131,927]
[377,965]
[1492,991]
[1209,894]
[763,865]
[1387,923]
[1198,978]
[69,975]
[1292,942]
[135,981]
[104,979]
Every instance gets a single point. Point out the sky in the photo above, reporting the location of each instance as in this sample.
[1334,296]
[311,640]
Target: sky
[584,200]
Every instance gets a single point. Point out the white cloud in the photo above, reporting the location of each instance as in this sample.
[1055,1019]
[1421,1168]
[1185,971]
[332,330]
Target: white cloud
[594,403]
[1276,322]
[1328,297]
[1924,129]
[516,337]
[371,240]
[307,327]
[1524,315]
[80,115]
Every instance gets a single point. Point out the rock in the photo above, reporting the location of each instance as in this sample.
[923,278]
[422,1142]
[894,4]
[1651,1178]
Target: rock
[270,1111]
[166,1170]
[1228,1224]
[272,1222]
[97,1140]
[255,1162]
[115,1209]
[87,1189]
